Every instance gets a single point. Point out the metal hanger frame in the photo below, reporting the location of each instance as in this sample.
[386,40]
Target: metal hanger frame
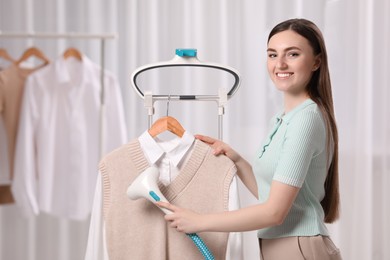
[187,61]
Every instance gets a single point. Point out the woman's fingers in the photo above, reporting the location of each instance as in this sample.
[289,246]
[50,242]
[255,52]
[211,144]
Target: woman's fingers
[216,144]
[206,139]
[166,205]
[182,219]
[169,217]
[219,147]
[218,150]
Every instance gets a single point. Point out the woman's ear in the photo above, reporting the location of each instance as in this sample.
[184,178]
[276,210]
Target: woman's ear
[317,63]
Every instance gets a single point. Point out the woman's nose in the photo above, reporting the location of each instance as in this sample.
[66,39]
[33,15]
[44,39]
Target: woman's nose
[281,63]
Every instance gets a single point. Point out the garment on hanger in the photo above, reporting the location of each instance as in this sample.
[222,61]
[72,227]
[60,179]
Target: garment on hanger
[179,161]
[33,52]
[166,123]
[12,84]
[4,55]
[4,163]
[5,182]
[5,192]
[58,147]
[73,52]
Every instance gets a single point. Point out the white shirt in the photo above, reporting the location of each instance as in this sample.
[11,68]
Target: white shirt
[169,157]
[58,142]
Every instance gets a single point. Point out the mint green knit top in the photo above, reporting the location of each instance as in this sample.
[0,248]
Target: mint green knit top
[295,154]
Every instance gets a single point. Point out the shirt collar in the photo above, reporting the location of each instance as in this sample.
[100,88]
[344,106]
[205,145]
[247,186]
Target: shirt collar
[175,149]
[287,117]
[62,72]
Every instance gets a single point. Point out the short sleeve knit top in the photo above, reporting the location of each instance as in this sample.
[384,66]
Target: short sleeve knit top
[294,153]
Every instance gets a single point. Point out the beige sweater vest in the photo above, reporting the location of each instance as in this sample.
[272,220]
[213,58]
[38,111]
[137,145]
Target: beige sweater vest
[137,229]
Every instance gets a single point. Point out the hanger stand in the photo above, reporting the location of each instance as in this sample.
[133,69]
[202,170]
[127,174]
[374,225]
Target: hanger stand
[187,57]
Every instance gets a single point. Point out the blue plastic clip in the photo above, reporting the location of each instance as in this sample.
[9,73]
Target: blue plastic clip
[186,52]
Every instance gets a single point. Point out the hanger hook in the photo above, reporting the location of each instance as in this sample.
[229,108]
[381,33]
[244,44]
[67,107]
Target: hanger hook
[169,99]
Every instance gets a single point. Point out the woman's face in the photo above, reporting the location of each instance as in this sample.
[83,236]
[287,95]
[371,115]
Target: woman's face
[291,62]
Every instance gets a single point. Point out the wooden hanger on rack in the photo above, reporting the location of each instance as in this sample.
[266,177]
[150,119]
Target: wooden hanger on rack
[73,52]
[4,54]
[33,51]
[166,123]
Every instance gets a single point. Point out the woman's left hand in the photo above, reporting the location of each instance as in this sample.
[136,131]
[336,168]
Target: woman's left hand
[184,220]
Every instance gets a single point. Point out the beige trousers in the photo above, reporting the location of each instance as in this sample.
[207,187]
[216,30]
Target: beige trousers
[299,248]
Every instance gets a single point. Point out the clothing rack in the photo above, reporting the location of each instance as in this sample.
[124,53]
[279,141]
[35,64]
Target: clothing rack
[75,35]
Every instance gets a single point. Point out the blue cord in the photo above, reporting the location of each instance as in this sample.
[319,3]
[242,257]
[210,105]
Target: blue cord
[201,246]
[195,238]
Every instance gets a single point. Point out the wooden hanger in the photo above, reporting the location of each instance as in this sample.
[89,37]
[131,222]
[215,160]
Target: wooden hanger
[33,51]
[4,54]
[166,123]
[73,52]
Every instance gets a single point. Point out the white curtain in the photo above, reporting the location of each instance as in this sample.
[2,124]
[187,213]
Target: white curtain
[234,33]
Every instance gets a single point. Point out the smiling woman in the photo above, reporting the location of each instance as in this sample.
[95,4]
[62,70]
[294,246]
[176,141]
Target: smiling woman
[295,171]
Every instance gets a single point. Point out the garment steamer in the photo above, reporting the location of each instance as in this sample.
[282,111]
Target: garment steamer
[145,186]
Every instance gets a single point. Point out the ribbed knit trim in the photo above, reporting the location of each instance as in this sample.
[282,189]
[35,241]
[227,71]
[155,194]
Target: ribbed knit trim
[106,188]
[187,173]
[226,187]
[137,156]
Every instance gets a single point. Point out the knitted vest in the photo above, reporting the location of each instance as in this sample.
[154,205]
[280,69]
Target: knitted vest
[137,229]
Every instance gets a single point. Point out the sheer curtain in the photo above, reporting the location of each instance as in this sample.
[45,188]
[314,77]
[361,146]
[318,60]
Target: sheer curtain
[357,34]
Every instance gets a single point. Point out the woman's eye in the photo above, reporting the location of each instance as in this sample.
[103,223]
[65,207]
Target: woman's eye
[271,55]
[293,54]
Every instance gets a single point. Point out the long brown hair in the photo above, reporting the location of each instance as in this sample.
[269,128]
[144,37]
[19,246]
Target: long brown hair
[320,91]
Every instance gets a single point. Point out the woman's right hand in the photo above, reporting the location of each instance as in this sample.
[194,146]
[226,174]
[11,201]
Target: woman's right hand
[244,169]
[219,147]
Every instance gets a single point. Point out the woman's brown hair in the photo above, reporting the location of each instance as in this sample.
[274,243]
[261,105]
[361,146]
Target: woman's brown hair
[320,91]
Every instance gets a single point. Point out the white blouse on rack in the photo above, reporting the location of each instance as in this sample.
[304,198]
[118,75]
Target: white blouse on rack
[58,140]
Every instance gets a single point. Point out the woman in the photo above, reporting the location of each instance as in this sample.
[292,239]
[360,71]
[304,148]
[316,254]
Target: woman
[295,171]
